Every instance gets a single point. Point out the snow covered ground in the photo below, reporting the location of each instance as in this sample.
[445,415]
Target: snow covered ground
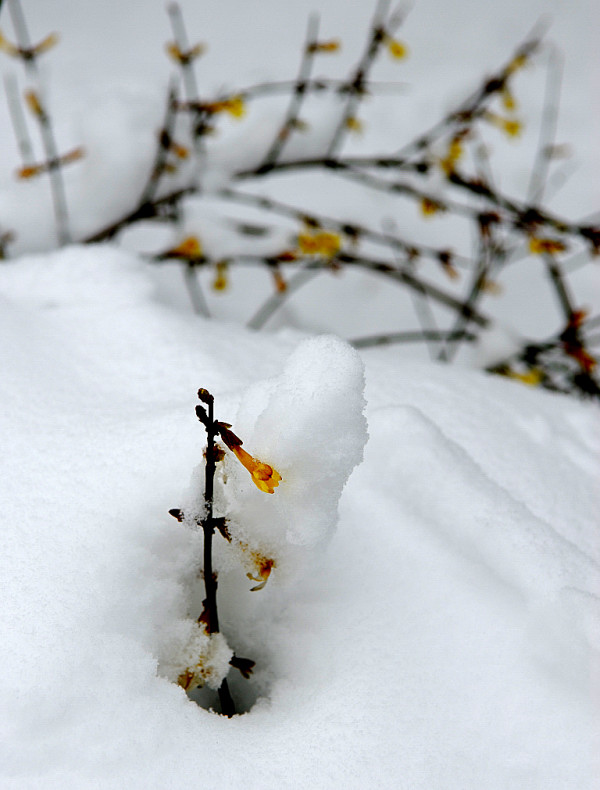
[446,635]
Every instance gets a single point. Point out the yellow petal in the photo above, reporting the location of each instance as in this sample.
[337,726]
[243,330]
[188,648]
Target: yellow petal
[397,49]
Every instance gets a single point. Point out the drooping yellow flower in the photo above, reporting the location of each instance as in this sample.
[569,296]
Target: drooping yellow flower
[397,49]
[8,47]
[184,57]
[516,63]
[539,246]
[508,100]
[325,243]
[430,207]
[190,247]
[263,475]
[221,281]
[354,125]
[509,126]
[33,102]
[30,171]
[455,151]
[15,51]
[532,378]
[333,45]
[234,105]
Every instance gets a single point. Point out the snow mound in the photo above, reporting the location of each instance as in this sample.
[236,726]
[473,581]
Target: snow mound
[309,425]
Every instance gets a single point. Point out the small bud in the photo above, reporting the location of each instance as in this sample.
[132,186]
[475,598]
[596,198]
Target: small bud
[245,665]
[205,396]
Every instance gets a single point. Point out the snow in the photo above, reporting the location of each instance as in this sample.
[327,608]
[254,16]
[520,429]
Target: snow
[445,637]
[433,616]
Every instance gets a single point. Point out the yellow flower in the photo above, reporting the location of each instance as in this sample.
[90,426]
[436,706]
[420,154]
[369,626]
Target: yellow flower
[539,246]
[354,125]
[325,243]
[516,63]
[190,247]
[234,105]
[532,378]
[333,45]
[263,476]
[220,282]
[34,103]
[509,126]
[430,207]
[184,57]
[454,153]
[508,100]
[397,49]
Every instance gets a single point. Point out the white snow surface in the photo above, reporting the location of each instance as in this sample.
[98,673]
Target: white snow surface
[432,624]
[448,636]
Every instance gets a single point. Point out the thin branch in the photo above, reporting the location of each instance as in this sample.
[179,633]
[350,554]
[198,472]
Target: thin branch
[162,148]
[297,98]
[351,229]
[17,118]
[357,82]
[278,298]
[419,336]
[208,526]
[29,57]
[548,125]
[194,289]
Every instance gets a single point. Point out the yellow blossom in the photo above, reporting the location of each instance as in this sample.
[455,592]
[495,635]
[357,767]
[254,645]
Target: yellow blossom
[516,63]
[30,171]
[184,57]
[333,45]
[532,378]
[508,100]
[220,282]
[397,49]
[34,103]
[354,125]
[430,207]
[263,476]
[454,153]
[538,246]
[509,126]
[190,247]
[234,105]
[8,47]
[325,243]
